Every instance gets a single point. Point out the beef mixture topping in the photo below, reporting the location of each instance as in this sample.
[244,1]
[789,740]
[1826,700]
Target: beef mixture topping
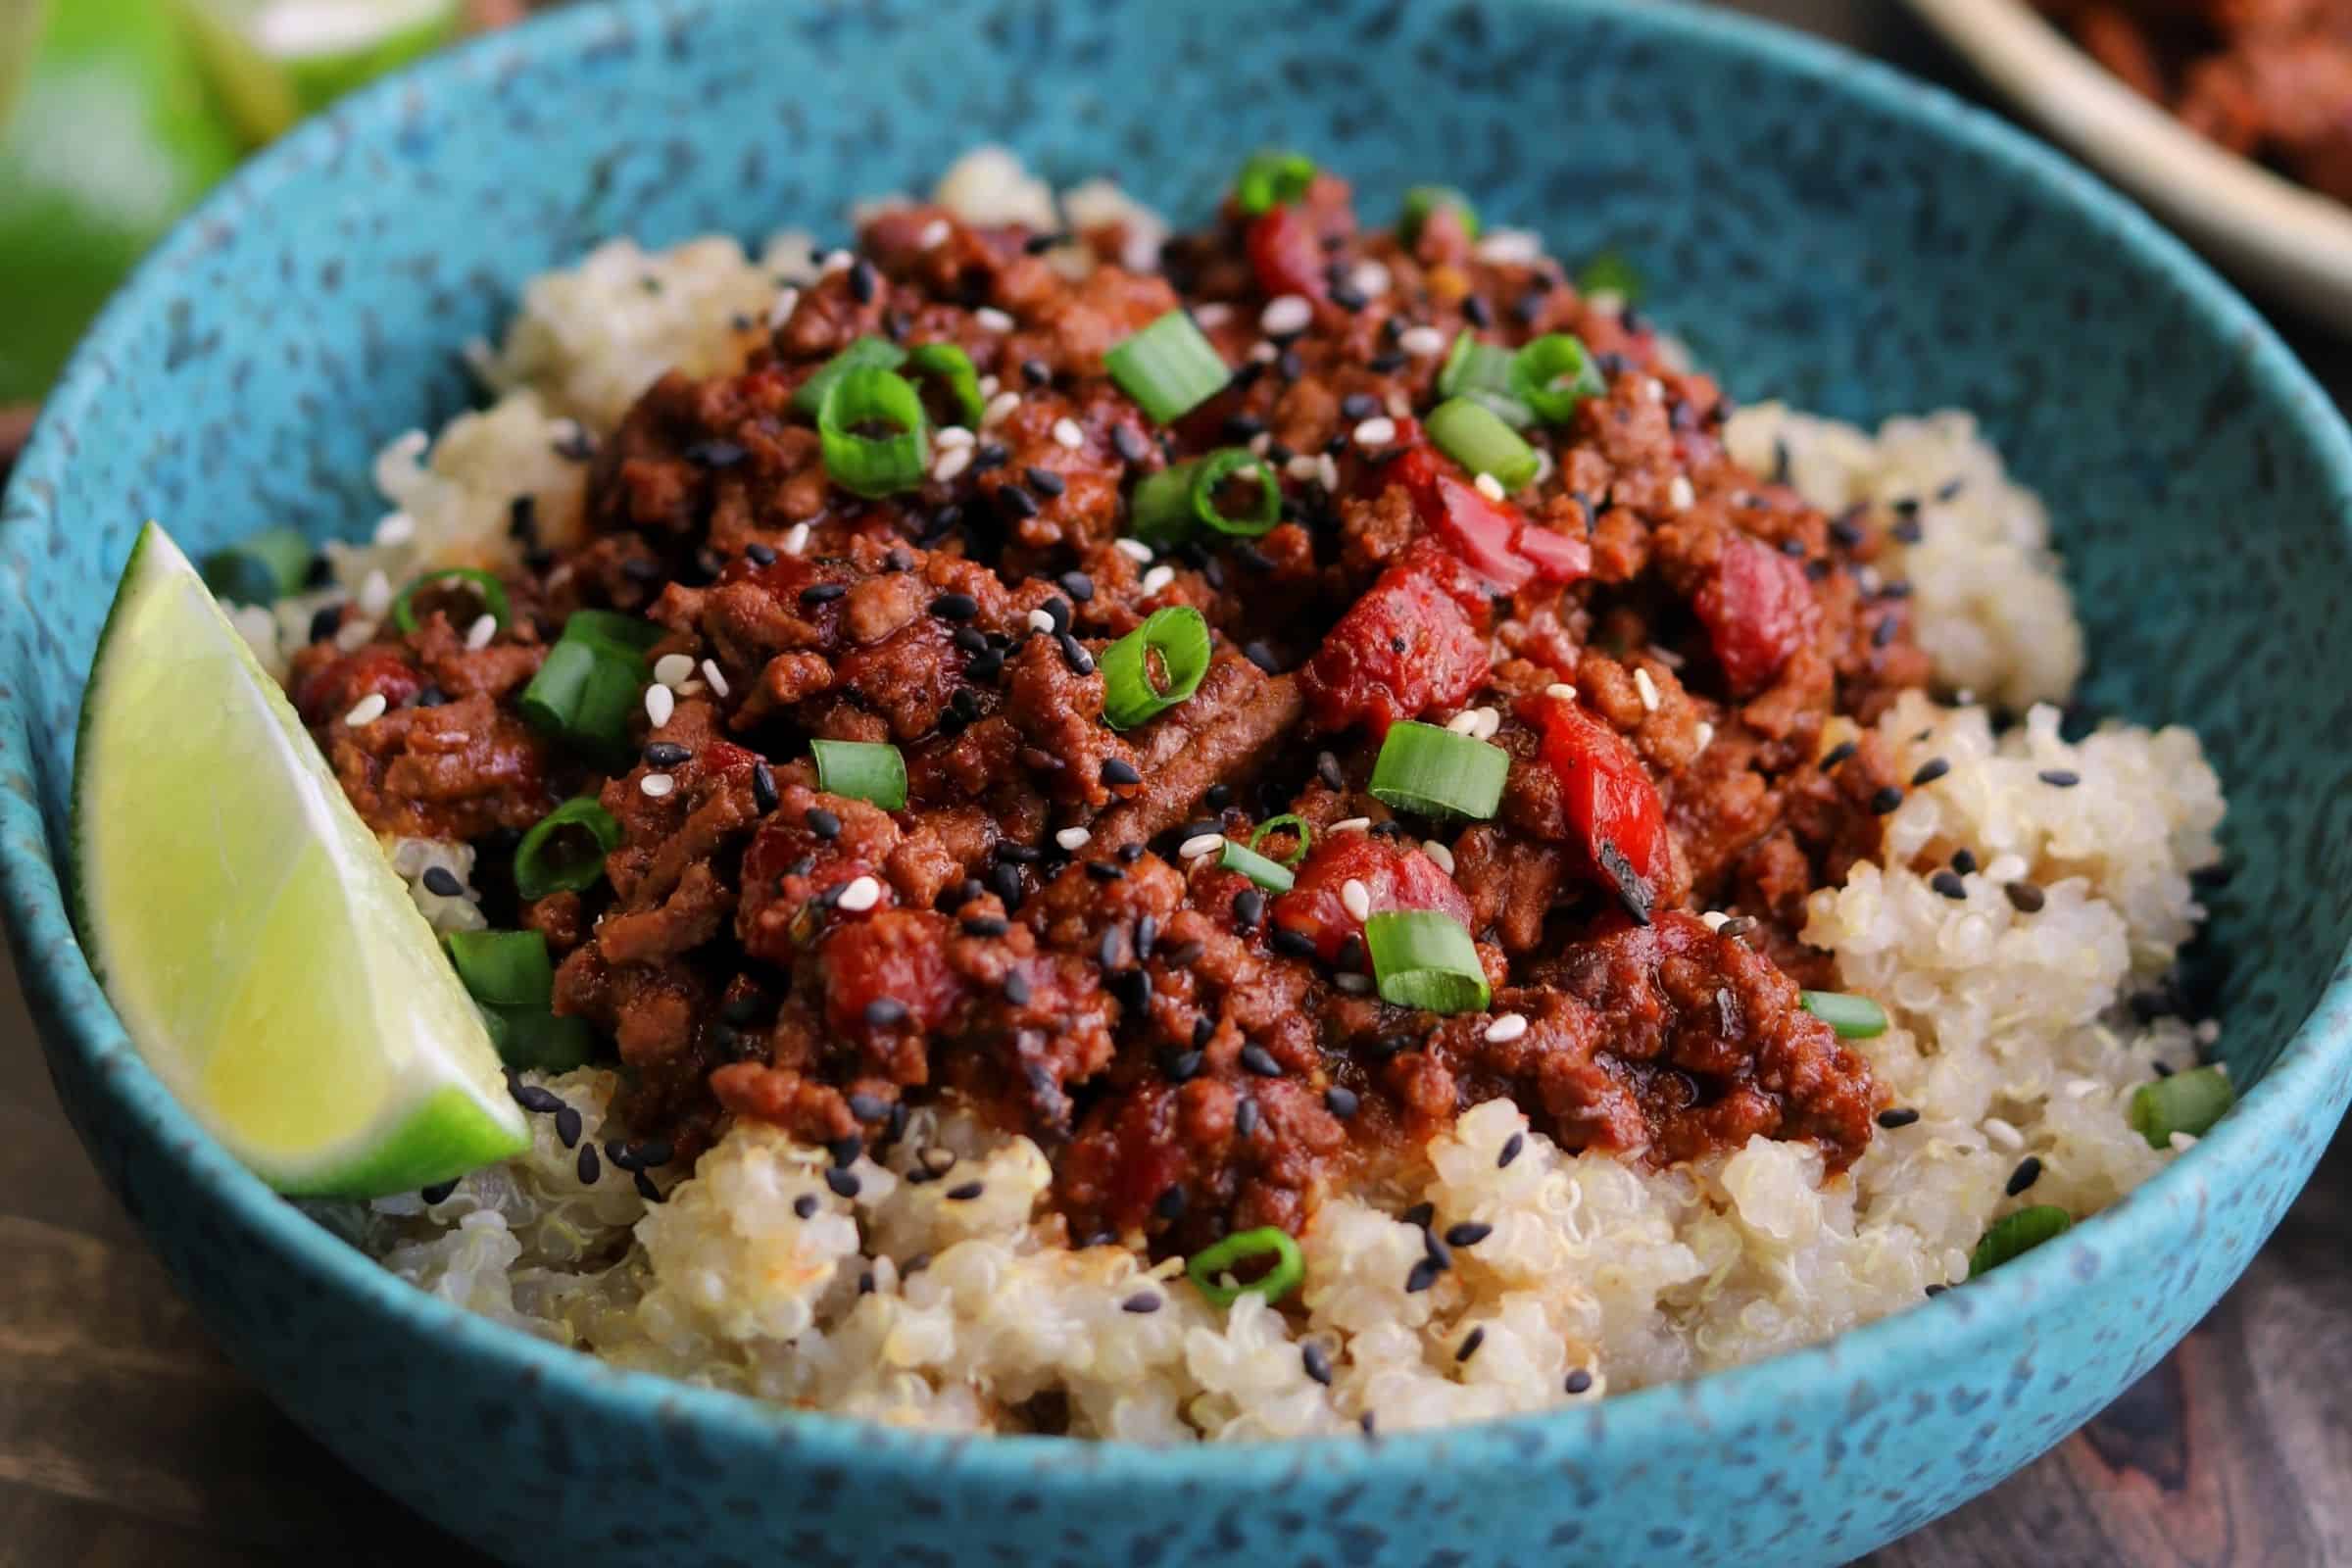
[1674,662]
[2270,80]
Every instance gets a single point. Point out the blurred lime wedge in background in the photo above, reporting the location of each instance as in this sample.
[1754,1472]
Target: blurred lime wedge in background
[105,135]
[255,942]
[275,61]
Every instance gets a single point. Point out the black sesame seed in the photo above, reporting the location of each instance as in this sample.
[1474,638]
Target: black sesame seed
[1036,373]
[1248,908]
[2027,1172]
[1470,1344]
[1341,1101]
[325,620]
[1019,854]
[439,879]
[666,753]
[823,823]
[1078,585]
[1899,1117]
[1005,879]
[1419,1214]
[824,593]
[1579,1380]
[1015,988]
[1170,1205]
[1838,754]
[1885,800]
[1316,1363]
[805,1206]
[1129,443]
[1327,768]
[1510,1150]
[438,1194]
[759,555]
[1182,1066]
[1434,1245]
[844,1182]
[862,282]
[1106,871]
[2059,777]
[1360,405]
[1424,1274]
[1475,309]
[587,1166]
[984,926]
[1256,1059]
[971,639]
[1963,860]
[538,1100]
[955,606]
[2024,897]
[1245,1118]
[884,1012]
[1262,656]
[1469,1233]
[1119,771]
[1292,943]
[1934,768]
[1143,1304]
[567,1126]
[844,1150]
[763,786]
[965,1193]
[1244,427]
[1076,656]
[990,455]
[1948,884]
[1045,481]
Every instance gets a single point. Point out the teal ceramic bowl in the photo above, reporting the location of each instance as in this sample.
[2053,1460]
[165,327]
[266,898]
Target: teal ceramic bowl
[1819,227]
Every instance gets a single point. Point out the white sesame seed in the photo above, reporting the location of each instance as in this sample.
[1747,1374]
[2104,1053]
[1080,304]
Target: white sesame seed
[397,528]
[1000,408]
[1653,389]
[1134,550]
[2082,1087]
[1713,919]
[1327,471]
[861,894]
[366,710]
[1262,352]
[1286,314]
[1355,985]
[950,462]
[990,386]
[1370,279]
[1200,844]
[835,261]
[1304,467]
[1607,301]
[2001,1134]
[1377,431]
[1040,621]
[1259,442]
[656,785]
[1679,495]
[2006,868]
[1561,690]
[1666,656]
[1439,852]
[1703,734]
[1067,432]
[1158,578]
[673,669]
[2182,1143]
[711,673]
[1357,897]
[484,627]
[1867,579]
[1072,838]
[1488,721]
[1647,687]
[1351,824]
[375,593]
[935,234]
[1509,245]
[1421,341]
[1463,723]
[786,303]
[1507,1028]
[660,703]
[1489,487]
[798,540]
[1213,313]
[953,435]
[2207,1032]
[1400,407]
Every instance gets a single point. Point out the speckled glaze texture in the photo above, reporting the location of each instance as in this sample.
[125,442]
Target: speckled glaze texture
[1819,227]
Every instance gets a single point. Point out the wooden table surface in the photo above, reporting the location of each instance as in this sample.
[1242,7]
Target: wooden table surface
[127,1439]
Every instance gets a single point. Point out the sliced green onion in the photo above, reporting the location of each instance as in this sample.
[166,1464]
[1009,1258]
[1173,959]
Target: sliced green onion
[505,969]
[1287,823]
[1435,773]
[585,693]
[2012,1234]
[2185,1102]
[1208,1267]
[1423,958]
[1272,176]
[1609,273]
[874,466]
[488,589]
[1168,367]
[1422,200]
[629,636]
[1553,375]
[260,569]
[1476,437]
[879,353]
[1852,1017]
[564,850]
[1256,867]
[1171,503]
[1133,689]
[953,368]
[862,770]
[1480,370]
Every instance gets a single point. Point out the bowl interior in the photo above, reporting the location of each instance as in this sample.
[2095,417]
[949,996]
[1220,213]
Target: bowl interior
[1817,230]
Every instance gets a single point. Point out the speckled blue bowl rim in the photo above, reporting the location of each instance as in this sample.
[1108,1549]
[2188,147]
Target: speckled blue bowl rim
[1962,1326]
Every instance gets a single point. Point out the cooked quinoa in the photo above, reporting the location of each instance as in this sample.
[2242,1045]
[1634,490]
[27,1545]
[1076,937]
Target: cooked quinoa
[2005,893]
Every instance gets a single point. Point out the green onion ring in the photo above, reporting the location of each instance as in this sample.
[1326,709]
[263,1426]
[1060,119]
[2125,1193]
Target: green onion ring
[1180,636]
[1207,1266]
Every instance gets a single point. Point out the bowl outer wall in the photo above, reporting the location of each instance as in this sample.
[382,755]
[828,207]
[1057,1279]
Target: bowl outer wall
[1866,246]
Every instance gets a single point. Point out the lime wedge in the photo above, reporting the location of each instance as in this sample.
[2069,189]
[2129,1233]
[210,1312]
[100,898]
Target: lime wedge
[254,941]
[275,61]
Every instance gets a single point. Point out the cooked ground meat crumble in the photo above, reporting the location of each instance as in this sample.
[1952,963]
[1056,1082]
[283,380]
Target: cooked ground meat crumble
[1679,656]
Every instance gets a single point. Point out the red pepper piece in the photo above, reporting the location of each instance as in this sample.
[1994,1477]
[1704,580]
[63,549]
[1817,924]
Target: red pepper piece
[897,956]
[1494,537]
[1754,608]
[1286,254]
[1612,806]
[1394,876]
[1417,640]
[378,667]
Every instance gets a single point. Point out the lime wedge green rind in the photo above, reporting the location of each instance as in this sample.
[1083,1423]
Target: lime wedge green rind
[261,952]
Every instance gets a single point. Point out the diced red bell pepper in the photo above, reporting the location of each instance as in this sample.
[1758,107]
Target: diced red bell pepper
[785,867]
[1417,640]
[1756,608]
[899,954]
[378,667]
[1494,537]
[1286,254]
[1395,877]
[1612,806]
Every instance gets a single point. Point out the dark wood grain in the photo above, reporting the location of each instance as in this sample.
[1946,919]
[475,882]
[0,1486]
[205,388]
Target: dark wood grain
[126,1441]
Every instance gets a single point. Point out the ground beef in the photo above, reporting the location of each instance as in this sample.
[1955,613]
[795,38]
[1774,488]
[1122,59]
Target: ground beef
[1661,643]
